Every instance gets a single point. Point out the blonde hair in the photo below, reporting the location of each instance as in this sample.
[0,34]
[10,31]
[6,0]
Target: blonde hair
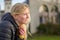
[19,8]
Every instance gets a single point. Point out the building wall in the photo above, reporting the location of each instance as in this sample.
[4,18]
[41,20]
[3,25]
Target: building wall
[34,15]
[7,5]
[34,9]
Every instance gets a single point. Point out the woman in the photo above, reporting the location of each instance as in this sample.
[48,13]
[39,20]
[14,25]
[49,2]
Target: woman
[13,25]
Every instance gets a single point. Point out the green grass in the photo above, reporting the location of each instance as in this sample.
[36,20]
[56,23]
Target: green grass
[45,37]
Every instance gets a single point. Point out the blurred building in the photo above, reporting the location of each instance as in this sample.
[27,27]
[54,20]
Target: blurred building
[8,4]
[7,7]
[1,13]
[43,11]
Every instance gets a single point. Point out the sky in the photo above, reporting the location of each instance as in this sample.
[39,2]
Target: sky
[13,2]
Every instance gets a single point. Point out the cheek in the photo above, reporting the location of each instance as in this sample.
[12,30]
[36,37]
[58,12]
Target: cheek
[18,18]
[23,17]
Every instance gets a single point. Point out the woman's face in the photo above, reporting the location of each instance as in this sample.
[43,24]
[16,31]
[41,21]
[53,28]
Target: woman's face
[24,17]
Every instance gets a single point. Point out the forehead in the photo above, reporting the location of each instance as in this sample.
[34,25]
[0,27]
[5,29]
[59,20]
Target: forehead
[26,10]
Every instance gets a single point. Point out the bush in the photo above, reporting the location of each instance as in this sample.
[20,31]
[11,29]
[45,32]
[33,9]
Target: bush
[49,28]
[41,28]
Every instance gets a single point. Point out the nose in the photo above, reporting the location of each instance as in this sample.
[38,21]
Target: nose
[28,15]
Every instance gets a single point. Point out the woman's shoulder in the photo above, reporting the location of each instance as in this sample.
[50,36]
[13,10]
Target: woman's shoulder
[5,24]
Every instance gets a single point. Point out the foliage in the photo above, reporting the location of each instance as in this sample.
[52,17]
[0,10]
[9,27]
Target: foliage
[49,28]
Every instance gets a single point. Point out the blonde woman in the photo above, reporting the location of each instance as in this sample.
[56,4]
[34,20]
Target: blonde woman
[13,25]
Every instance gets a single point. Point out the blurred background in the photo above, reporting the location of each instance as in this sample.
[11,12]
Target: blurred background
[45,17]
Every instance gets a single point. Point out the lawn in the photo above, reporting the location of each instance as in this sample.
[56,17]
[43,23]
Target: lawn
[45,37]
